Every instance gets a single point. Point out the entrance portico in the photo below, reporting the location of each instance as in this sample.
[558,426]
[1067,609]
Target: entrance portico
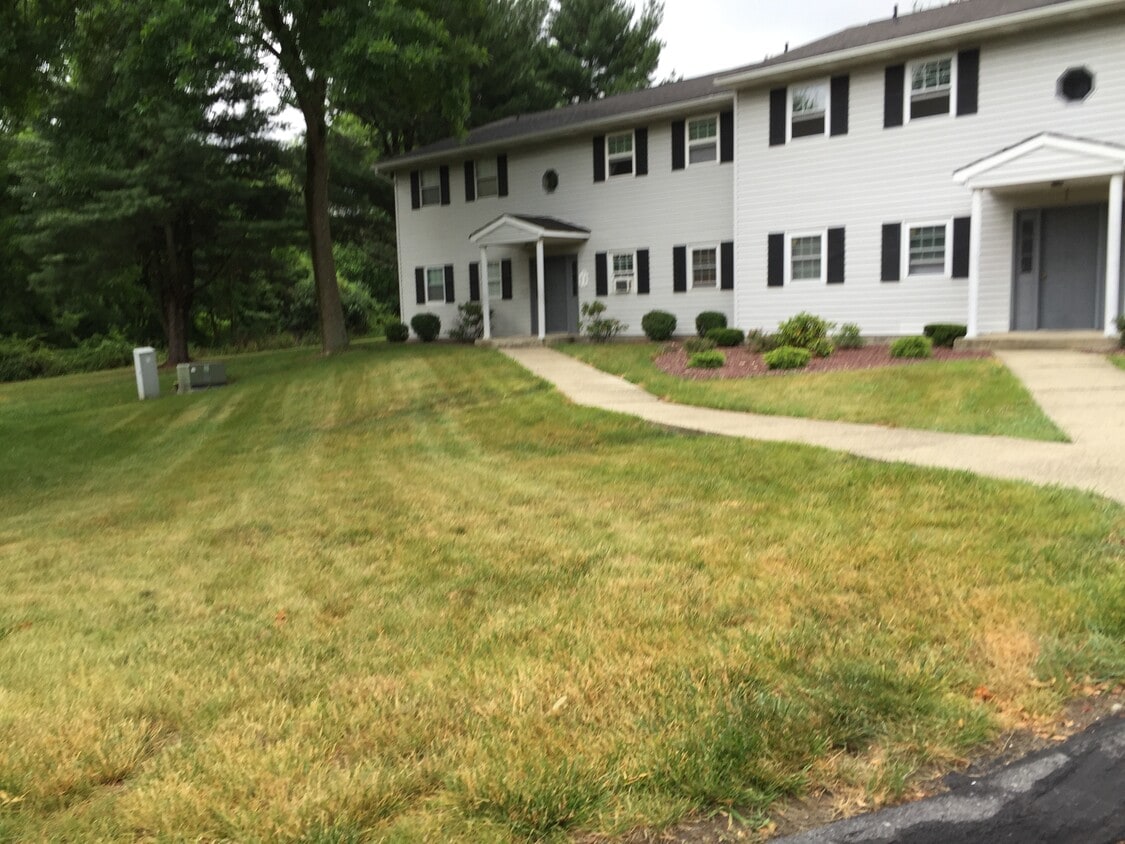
[1030,175]
[525,230]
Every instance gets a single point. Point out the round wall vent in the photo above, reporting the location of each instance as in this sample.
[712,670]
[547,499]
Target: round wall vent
[1076,84]
[550,181]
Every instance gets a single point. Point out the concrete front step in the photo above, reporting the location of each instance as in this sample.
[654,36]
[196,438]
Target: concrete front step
[1079,341]
[526,342]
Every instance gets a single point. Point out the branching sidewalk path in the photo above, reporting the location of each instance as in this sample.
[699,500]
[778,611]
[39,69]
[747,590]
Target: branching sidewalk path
[1083,393]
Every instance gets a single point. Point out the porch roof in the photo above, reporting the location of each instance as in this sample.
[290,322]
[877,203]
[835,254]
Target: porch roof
[526,228]
[1044,158]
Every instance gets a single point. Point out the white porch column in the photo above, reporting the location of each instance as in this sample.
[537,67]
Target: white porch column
[484,292]
[541,289]
[974,264]
[1113,256]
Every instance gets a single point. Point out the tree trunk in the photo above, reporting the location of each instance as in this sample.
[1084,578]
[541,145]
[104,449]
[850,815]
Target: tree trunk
[177,289]
[333,332]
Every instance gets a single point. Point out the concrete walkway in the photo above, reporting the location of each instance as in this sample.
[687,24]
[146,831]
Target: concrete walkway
[1082,393]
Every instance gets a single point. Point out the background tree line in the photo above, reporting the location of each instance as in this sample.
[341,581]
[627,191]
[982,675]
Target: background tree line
[145,193]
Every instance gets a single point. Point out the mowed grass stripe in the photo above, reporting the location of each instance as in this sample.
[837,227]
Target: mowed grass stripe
[412,594]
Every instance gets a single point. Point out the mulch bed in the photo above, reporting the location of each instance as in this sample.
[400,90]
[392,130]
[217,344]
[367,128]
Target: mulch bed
[742,363]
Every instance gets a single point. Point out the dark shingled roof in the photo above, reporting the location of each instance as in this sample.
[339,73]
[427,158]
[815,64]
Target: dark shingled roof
[560,121]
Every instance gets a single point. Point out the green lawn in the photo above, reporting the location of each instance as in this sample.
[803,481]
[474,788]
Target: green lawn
[966,396]
[1118,360]
[411,594]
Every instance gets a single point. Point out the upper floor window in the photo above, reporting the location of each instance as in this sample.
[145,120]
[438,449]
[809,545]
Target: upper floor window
[488,177]
[704,267]
[703,139]
[808,109]
[430,186]
[623,265]
[931,87]
[619,154]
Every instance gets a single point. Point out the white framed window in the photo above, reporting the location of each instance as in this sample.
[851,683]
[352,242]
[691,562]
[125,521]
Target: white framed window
[435,284]
[927,249]
[619,154]
[702,139]
[704,267]
[805,256]
[430,183]
[488,182]
[931,87]
[495,281]
[623,272]
[808,109]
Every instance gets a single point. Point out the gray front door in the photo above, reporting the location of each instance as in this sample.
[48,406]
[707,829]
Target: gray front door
[560,286]
[1070,267]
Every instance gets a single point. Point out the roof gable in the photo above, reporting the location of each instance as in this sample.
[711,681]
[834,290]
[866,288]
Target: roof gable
[1044,158]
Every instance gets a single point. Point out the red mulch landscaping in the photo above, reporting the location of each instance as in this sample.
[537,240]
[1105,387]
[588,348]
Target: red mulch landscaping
[742,363]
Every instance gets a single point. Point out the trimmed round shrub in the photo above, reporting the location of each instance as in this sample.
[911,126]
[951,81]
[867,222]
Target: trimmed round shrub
[726,337]
[912,347]
[708,320]
[426,326]
[698,344]
[759,341]
[397,332]
[944,334]
[822,348]
[787,357]
[712,359]
[849,337]
[803,331]
[658,325]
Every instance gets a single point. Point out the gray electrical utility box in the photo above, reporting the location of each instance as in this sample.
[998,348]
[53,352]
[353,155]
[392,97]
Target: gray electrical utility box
[200,376]
[148,382]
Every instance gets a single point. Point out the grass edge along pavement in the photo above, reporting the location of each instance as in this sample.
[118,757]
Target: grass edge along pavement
[966,396]
[411,593]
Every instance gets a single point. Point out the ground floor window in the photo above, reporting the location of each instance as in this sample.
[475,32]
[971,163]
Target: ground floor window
[435,284]
[495,282]
[926,249]
[806,257]
[704,266]
[623,265]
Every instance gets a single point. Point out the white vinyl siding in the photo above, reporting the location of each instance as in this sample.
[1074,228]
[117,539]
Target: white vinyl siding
[488,182]
[619,154]
[704,267]
[622,272]
[927,249]
[702,140]
[435,284]
[429,182]
[808,109]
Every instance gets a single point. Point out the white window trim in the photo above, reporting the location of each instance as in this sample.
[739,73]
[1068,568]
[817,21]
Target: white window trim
[497,279]
[422,186]
[718,265]
[632,155]
[613,291]
[789,238]
[718,141]
[426,270]
[904,249]
[476,179]
[789,108]
[908,81]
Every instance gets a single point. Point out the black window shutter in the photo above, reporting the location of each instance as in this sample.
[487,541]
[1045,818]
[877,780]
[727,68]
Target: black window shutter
[835,256]
[450,293]
[777,117]
[502,174]
[444,185]
[961,244]
[968,78]
[679,269]
[726,135]
[894,82]
[640,148]
[415,190]
[840,87]
[642,271]
[601,275]
[726,265]
[892,251]
[775,261]
[474,282]
[599,158]
[420,285]
[470,182]
[506,278]
[678,131]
